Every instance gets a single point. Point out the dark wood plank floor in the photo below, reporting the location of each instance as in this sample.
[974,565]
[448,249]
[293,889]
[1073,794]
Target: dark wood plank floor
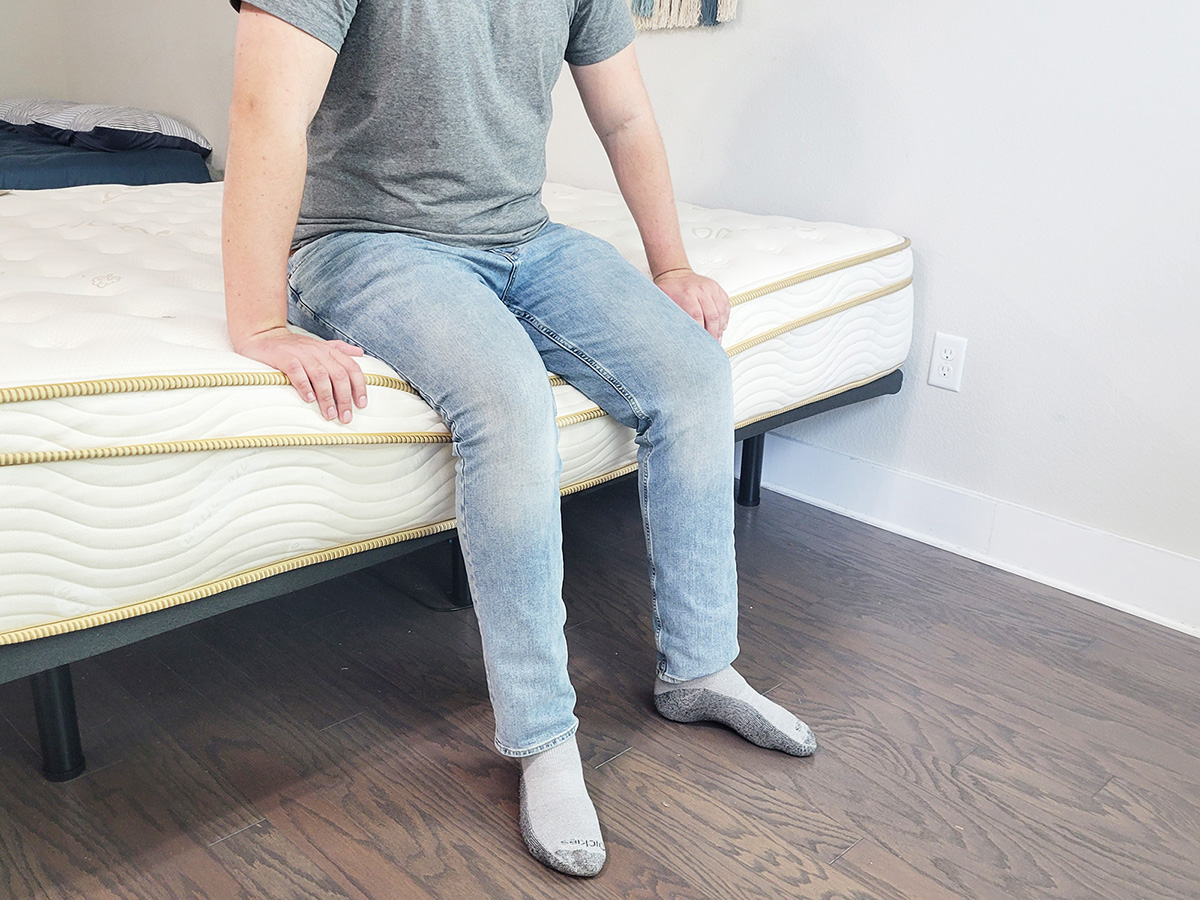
[981,737]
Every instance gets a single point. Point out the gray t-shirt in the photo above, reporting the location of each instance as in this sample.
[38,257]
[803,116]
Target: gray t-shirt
[436,115]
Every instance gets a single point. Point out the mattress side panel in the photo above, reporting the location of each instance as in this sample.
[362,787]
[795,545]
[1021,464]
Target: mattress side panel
[138,293]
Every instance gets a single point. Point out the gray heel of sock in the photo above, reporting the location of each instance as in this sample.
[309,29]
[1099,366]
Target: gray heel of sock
[679,706]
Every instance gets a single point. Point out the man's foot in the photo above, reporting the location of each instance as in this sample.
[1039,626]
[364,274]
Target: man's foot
[726,698]
[558,821]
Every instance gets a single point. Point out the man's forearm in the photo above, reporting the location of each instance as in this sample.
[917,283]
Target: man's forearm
[618,107]
[263,186]
[639,162]
[279,78]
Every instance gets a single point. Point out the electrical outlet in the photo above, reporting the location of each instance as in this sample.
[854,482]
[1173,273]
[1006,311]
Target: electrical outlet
[946,367]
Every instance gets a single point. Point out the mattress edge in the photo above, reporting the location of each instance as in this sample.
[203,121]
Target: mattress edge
[259,573]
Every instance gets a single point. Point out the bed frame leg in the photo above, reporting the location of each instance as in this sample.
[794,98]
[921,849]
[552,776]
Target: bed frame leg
[752,461]
[58,727]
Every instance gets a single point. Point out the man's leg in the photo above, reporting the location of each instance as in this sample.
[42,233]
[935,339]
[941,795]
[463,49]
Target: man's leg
[433,314]
[605,328]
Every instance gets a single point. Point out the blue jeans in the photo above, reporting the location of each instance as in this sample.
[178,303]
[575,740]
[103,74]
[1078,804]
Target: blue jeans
[474,331]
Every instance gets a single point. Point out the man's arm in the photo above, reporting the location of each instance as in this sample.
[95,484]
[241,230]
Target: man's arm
[280,76]
[619,109]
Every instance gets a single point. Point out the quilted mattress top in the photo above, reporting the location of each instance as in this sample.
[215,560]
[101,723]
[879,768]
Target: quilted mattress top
[120,282]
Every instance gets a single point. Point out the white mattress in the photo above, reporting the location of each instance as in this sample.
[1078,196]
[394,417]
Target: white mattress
[144,464]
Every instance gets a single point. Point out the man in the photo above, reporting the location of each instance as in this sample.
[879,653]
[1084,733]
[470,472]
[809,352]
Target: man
[396,148]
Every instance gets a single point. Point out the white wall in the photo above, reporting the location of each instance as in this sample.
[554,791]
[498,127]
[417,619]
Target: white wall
[31,61]
[172,56]
[1042,157]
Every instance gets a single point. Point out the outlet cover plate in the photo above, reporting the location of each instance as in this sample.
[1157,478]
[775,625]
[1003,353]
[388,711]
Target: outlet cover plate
[946,365]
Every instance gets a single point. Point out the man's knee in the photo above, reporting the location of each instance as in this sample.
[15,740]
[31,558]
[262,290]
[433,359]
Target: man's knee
[509,415]
[697,381]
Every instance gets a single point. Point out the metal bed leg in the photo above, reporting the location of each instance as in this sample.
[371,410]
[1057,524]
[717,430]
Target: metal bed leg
[752,461]
[58,727]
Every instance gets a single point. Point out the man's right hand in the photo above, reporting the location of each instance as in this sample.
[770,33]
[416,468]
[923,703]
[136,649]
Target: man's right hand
[320,371]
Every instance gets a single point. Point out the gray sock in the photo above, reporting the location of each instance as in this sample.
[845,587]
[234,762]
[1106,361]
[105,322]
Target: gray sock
[726,698]
[558,821]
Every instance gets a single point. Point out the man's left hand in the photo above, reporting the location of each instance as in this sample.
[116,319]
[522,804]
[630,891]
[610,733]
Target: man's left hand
[701,298]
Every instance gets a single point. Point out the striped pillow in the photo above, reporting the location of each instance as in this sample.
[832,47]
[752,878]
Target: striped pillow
[96,127]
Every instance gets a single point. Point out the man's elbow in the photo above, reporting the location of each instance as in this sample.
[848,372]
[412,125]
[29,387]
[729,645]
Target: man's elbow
[253,113]
[626,127]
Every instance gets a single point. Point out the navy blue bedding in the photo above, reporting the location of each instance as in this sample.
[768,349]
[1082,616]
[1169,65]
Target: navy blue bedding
[30,162]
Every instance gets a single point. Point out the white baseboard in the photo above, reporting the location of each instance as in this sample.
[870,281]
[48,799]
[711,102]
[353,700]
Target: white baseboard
[1128,575]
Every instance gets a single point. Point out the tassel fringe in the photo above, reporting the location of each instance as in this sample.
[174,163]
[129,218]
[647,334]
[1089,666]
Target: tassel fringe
[655,14]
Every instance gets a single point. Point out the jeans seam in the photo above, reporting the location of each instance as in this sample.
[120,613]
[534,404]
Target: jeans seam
[514,262]
[539,748]
[656,619]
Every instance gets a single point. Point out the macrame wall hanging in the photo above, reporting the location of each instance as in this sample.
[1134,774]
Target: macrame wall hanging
[681,13]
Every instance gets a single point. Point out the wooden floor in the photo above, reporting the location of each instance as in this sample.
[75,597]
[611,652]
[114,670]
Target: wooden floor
[981,737]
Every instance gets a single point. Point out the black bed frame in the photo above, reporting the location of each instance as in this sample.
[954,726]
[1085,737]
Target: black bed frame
[47,661]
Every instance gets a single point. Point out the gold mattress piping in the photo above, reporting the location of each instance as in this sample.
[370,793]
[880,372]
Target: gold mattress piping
[166,383]
[255,441]
[226,443]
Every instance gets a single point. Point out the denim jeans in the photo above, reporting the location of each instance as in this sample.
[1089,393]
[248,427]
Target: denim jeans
[474,331]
